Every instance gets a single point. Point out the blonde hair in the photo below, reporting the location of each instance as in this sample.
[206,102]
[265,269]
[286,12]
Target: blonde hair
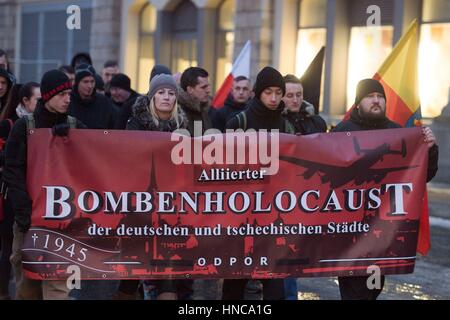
[173,113]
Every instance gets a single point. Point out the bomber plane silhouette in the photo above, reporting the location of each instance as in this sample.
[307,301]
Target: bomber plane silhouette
[360,171]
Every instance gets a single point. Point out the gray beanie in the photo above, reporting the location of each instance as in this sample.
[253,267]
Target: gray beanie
[162,81]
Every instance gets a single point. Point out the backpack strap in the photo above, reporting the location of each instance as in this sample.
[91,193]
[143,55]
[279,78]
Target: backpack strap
[72,122]
[31,124]
[288,127]
[242,118]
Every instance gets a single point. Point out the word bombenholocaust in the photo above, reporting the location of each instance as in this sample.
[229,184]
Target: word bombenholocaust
[61,200]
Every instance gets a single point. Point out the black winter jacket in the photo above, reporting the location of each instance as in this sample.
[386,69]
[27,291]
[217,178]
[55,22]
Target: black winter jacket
[7,222]
[356,123]
[305,121]
[126,111]
[259,117]
[15,170]
[229,110]
[96,113]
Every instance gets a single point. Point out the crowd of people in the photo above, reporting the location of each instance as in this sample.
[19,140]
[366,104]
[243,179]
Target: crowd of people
[76,96]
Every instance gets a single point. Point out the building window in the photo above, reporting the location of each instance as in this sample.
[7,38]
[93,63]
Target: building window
[311,34]
[369,47]
[146,58]
[225,40]
[434,78]
[45,41]
[184,35]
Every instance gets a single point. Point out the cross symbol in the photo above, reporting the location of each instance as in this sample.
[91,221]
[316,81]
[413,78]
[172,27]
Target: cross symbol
[34,239]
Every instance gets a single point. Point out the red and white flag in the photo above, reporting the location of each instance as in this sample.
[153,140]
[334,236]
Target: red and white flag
[241,67]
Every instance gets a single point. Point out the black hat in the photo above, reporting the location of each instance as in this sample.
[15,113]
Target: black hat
[159,69]
[82,71]
[122,81]
[268,77]
[366,87]
[52,83]
[80,58]
[8,76]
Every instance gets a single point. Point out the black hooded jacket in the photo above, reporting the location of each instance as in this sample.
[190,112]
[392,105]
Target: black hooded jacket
[15,170]
[259,117]
[96,113]
[229,110]
[126,110]
[356,123]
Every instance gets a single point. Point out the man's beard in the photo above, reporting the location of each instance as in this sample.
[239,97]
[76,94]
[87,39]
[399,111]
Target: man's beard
[370,116]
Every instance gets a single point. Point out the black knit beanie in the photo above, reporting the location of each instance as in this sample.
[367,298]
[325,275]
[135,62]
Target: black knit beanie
[80,58]
[122,81]
[268,77]
[366,87]
[82,71]
[52,83]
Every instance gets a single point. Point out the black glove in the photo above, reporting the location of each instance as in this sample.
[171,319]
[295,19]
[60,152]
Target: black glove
[61,129]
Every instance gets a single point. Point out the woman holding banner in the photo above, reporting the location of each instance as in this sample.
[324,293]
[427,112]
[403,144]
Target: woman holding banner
[158,111]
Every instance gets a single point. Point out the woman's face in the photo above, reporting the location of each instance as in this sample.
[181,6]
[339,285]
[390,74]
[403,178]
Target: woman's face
[30,104]
[164,101]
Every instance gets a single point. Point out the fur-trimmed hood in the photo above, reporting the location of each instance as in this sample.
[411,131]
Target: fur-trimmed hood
[306,109]
[192,104]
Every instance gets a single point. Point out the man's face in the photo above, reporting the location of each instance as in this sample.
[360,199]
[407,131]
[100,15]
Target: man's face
[3,87]
[202,90]
[59,103]
[3,63]
[119,95]
[108,73]
[294,96]
[372,106]
[271,97]
[86,87]
[241,91]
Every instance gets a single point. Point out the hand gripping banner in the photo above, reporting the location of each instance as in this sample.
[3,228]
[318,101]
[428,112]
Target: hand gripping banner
[151,205]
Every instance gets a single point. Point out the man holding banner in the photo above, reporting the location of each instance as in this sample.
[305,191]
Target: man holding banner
[370,114]
[262,112]
[51,112]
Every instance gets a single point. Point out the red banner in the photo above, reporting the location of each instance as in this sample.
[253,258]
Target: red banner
[126,204]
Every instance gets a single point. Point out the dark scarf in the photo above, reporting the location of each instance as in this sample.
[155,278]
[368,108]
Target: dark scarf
[260,110]
[45,118]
